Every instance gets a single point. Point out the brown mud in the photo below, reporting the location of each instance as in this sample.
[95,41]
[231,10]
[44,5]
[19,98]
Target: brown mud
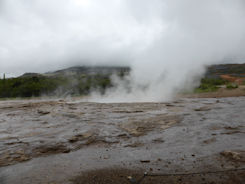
[70,141]
[124,176]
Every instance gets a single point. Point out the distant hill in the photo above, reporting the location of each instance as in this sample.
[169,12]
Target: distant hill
[79,80]
[226,69]
[83,70]
[102,70]
[31,75]
[231,72]
[213,71]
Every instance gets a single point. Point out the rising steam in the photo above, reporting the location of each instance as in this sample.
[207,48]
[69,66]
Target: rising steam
[167,43]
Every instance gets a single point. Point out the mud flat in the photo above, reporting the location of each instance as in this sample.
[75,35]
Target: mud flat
[190,140]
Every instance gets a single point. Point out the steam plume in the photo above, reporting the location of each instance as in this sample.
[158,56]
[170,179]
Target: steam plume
[167,43]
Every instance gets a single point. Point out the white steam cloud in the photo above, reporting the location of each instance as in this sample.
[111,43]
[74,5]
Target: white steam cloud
[167,43]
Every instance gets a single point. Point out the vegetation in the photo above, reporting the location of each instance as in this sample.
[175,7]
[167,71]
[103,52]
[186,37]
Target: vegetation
[231,86]
[210,85]
[34,86]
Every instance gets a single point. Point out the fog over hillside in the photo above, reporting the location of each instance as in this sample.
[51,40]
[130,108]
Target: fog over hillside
[167,43]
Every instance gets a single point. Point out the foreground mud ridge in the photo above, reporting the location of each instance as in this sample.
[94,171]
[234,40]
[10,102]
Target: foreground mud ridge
[69,141]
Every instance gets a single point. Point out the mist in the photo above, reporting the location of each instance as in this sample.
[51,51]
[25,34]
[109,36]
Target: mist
[167,43]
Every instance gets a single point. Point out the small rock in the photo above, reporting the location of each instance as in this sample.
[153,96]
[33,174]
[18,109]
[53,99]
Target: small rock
[232,155]
[205,108]
[145,161]
[43,112]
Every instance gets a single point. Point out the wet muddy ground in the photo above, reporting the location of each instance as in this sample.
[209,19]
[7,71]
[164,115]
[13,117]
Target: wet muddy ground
[69,141]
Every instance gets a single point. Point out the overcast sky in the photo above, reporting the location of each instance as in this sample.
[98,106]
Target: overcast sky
[45,35]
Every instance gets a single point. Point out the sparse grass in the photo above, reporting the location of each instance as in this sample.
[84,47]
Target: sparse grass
[206,88]
[209,85]
[231,86]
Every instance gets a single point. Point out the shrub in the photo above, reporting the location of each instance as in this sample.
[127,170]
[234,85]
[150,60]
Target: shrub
[231,86]
[209,85]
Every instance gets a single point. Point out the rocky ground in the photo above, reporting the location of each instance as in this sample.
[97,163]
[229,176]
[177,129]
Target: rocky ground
[70,141]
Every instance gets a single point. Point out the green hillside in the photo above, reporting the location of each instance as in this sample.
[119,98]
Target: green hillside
[71,81]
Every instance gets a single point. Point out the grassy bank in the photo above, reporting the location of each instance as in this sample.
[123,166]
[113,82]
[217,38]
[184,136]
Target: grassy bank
[210,85]
[35,86]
